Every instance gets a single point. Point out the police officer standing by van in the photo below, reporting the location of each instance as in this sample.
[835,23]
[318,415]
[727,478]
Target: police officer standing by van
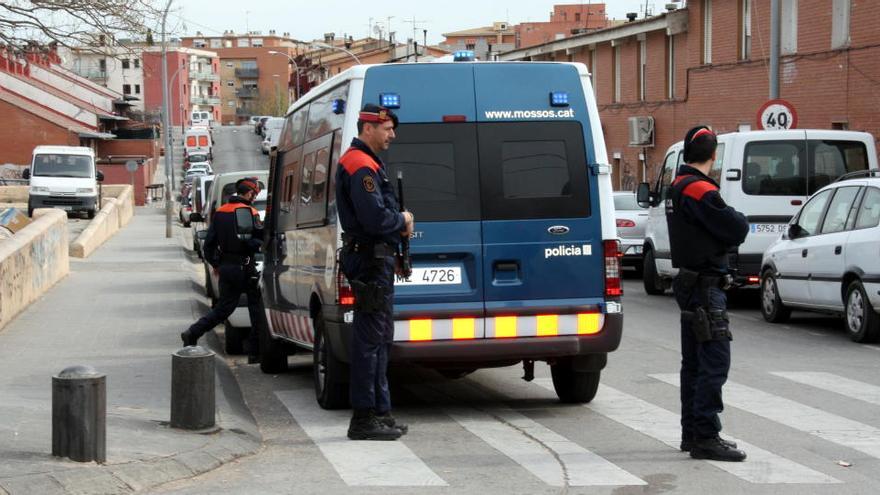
[702,229]
[234,259]
[373,227]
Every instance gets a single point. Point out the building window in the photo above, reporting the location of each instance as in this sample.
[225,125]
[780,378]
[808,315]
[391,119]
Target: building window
[840,19]
[137,89]
[126,63]
[745,28]
[577,17]
[231,103]
[243,43]
[126,89]
[707,31]
[789,28]
[670,67]
[470,46]
[230,83]
[643,64]
[137,63]
[199,43]
[248,64]
[616,74]
[257,42]
[227,43]
[216,43]
[230,65]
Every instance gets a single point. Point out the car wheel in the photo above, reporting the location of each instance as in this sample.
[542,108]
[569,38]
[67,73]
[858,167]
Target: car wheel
[572,386]
[273,356]
[862,322]
[331,374]
[233,339]
[650,278]
[771,304]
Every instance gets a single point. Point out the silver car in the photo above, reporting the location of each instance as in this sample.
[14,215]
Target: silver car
[631,220]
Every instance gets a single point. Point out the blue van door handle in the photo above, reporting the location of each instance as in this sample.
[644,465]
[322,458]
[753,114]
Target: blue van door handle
[838,249]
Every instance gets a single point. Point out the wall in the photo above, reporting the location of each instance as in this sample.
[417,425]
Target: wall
[114,215]
[32,261]
[22,131]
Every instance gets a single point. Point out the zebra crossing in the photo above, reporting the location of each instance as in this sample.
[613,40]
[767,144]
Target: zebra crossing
[548,458]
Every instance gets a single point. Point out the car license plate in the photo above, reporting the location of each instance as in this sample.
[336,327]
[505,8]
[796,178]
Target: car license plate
[634,250]
[769,228]
[432,276]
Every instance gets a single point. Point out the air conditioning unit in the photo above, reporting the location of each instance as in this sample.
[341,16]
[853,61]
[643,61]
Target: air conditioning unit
[641,131]
[499,26]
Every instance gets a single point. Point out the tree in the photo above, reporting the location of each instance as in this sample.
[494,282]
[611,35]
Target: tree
[73,23]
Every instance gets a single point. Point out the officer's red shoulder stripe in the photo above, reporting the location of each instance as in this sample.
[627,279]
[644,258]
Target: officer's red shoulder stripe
[698,189]
[355,159]
[231,207]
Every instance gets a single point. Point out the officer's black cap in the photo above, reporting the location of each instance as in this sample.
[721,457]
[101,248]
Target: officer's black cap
[376,114]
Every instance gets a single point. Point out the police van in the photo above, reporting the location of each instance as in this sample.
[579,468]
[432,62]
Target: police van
[515,252]
[767,176]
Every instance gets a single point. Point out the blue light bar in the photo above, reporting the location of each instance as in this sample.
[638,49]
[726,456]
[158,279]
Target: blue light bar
[464,56]
[338,106]
[389,100]
[558,99]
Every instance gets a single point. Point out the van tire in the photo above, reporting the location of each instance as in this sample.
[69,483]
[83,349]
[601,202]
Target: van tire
[30,210]
[273,356]
[772,308]
[90,214]
[233,339]
[862,322]
[650,278]
[574,387]
[331,375]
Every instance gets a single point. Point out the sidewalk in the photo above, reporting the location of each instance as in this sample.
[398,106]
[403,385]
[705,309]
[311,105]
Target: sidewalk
[120,311]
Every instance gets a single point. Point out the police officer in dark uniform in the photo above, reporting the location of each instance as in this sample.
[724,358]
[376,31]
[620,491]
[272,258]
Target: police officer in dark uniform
[373,226]
[235,261]
[702,229]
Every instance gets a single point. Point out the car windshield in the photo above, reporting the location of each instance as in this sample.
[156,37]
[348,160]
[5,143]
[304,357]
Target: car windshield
[625,202]
[56,165]
[197,158]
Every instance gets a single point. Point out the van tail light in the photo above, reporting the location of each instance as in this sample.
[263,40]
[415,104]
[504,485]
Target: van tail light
[344,293]
[621,222]
[612,269]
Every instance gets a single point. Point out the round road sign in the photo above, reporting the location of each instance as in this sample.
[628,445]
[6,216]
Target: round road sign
[131,166]
[777,115]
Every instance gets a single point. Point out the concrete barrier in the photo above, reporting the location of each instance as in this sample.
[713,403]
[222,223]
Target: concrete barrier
[32,261]
[102,227]
[124,196]
[14,194]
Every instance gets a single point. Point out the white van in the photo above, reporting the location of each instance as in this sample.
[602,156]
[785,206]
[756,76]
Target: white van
[202,118]
[63,177]
[766,175]
[198,140]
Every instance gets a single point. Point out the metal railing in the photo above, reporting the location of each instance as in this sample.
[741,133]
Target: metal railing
[91,73]
[244,111]
[204,76]
[247,93]
[247,73]
[205,100]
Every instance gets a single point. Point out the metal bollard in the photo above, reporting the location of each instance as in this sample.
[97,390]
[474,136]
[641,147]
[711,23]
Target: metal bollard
[79,414]
[192,388]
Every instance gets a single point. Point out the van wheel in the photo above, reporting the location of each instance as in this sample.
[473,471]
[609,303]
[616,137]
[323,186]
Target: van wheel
[574,387]
[90,214]
[862,322]
[234,338]
[273,358]
[331,374]
[30,211]
[771,305]
[650,278]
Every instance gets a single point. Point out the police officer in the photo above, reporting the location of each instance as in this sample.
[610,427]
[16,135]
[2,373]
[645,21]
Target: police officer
[234,259]
[373,226]
[702,229]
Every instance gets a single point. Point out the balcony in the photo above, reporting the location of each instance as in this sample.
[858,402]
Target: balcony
[205,100]
[204,76]
[92,74]
[253,73]
[247,93]
[244,111]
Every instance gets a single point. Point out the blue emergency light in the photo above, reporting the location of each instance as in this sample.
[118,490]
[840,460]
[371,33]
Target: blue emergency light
[558,99]
[338,106]
[389,100]
[464,56]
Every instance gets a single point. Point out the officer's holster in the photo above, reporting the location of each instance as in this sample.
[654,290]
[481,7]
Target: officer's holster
[369,294]
[707,323]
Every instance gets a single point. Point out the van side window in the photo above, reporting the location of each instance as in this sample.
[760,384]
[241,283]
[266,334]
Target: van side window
[321,117]
[312,207]
[869,210]
[667,174]
[839,210]
[295,128]
[775,168]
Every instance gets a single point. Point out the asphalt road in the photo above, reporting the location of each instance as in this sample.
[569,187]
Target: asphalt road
[802,401]
[237,148]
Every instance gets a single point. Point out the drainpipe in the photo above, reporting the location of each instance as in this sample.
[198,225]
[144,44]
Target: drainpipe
[774,48]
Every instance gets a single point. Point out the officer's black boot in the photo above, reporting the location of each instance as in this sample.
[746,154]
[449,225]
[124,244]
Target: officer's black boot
[716,449]
[388,420]
[687,443]
[188,338]
[365,426]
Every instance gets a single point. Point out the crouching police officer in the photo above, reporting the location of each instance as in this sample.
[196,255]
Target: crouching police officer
[373,226]
[235,261]
[702,228]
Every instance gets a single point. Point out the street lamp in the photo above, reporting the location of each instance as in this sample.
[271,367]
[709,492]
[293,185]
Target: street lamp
[166,124]
[337,48]
[292,61]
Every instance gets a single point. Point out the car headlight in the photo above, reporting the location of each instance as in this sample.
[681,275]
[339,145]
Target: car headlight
[85,190]
[39,189]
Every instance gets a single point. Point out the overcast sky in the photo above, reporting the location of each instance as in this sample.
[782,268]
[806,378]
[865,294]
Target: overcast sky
[308,20]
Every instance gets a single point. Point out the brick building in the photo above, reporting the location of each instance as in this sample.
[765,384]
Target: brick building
[485,42]
[193,81]
[565,21]
[708,63]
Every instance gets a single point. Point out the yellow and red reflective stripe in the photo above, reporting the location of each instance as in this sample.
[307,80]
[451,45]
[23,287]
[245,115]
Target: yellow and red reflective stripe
[464,328]
[505,327]
[588,323]
[548,325]
[420,330]
[498,327]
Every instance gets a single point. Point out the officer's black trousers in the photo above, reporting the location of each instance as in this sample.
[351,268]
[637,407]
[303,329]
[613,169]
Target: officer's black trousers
[704,368]
[235,280]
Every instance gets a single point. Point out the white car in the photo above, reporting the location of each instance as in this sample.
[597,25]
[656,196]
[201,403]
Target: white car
[202,166]
[828,260]
[631,220]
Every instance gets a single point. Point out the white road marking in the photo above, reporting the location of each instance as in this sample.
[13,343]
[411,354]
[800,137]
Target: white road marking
[660,424]
[359,463]
[821,424]
[834,383]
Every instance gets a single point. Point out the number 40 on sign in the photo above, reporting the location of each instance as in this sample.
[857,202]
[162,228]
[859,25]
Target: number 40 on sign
[777,115]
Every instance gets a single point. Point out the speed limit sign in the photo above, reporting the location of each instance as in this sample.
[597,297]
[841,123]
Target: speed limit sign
[777,115]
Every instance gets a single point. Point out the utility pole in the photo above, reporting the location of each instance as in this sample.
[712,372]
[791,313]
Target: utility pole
[774,48]
[166,125]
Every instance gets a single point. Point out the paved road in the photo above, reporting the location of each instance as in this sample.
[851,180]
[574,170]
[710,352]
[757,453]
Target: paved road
[237,148]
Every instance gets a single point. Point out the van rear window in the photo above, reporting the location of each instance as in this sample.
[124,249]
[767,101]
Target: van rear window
[797,167]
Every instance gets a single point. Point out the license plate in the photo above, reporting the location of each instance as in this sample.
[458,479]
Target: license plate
[634,250]
[769,228]
[65,208]
[432,276]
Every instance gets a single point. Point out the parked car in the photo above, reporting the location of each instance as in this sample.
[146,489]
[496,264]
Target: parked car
[828,260]
[197,140]
[206,166]
[272,123]
[201,191]
[253,121]
[270,140]
[766,175]
[631,220]
[189,160]
[185,208]
[258,127]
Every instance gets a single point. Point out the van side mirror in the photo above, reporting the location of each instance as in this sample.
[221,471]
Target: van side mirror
[244,224]
[100,176]
[644,196]
[26,173]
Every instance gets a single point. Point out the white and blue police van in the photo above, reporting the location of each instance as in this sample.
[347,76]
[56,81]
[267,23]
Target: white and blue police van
[515,252]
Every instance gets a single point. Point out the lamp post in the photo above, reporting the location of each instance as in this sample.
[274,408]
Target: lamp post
[166,124]
[292,61]
[337,48]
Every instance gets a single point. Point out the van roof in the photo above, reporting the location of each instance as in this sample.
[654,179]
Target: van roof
[64,150]
[793,133]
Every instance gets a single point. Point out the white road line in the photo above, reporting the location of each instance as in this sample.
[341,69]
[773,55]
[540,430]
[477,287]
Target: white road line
[825,425]
[549,456]
[660,424]
[359,463]
[833,383]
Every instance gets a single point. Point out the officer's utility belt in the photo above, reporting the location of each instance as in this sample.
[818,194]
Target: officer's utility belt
[372,249]
[235,259]
[707,323]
